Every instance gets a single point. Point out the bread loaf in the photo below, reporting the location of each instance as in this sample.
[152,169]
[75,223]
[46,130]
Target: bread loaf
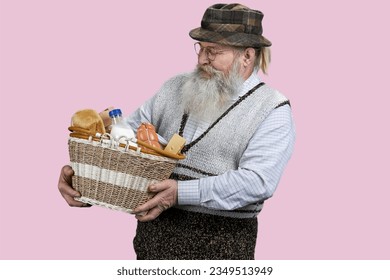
[89,121]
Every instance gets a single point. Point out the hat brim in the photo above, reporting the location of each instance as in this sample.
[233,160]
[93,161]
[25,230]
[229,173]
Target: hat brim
[236,39]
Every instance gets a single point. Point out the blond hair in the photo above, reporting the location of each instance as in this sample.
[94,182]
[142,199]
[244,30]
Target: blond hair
[263,59]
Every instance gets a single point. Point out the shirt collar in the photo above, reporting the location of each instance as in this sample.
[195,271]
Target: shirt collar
[249,83]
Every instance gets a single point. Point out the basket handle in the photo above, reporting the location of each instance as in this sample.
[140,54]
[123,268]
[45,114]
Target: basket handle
[86,134]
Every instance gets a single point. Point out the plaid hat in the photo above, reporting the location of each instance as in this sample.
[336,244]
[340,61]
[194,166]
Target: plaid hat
[231,24]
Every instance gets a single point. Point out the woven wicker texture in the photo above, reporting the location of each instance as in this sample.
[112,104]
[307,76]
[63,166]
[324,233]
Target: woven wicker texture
[115,178]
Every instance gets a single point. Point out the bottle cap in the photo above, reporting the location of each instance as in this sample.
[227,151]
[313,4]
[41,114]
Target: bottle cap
[115,113]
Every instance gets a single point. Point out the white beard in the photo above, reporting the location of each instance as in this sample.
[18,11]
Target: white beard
[207,93]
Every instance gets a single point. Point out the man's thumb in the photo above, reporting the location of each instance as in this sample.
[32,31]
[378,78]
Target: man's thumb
[67,171]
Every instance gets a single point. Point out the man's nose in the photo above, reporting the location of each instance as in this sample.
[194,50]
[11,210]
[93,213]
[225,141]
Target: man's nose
[203,58]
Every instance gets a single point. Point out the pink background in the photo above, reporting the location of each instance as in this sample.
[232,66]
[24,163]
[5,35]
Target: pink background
[329,57]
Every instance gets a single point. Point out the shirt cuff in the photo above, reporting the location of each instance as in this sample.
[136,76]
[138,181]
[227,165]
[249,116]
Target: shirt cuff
[188,192]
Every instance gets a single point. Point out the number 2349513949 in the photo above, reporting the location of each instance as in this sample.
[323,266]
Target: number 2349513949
[241,270]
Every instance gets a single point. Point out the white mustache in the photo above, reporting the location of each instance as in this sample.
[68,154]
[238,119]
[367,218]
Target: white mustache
[208,70]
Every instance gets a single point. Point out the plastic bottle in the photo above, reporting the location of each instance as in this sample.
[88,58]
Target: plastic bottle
[120,130]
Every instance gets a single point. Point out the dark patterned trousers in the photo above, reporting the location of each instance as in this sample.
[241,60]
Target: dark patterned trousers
[179,234]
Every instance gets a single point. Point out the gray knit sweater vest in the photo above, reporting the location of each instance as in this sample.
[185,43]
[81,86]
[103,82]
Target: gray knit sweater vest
[221,148]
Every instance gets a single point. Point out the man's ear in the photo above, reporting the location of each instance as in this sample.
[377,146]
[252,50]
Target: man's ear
[249,56]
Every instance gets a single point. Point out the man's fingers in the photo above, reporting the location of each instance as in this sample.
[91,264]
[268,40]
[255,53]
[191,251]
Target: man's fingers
[146,206]
[65,183]
[68,171]
[166,193]
[66,174]
[158,187]
[151,215]
[66,190]
[74,203]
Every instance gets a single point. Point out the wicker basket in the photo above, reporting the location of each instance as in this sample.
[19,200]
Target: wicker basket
[114,175]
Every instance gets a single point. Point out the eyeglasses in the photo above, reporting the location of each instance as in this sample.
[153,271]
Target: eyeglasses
[211,52]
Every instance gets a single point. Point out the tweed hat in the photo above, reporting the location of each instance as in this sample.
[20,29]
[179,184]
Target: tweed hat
[231,24]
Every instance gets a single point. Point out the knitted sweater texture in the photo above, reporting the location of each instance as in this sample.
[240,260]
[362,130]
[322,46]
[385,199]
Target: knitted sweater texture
[221,148]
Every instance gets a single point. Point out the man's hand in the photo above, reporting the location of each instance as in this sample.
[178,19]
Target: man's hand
[166,197]
[66,190]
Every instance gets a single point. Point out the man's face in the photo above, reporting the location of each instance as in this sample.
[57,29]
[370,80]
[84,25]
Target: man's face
[219,57]
[215,81]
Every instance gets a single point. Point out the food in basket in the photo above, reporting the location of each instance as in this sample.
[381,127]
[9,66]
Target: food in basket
[111,175]
[89,121]
[175,144]
[106,118]
[120,130]
[115,178]
[147,133]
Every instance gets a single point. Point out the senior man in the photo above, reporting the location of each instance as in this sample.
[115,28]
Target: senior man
[240,136]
